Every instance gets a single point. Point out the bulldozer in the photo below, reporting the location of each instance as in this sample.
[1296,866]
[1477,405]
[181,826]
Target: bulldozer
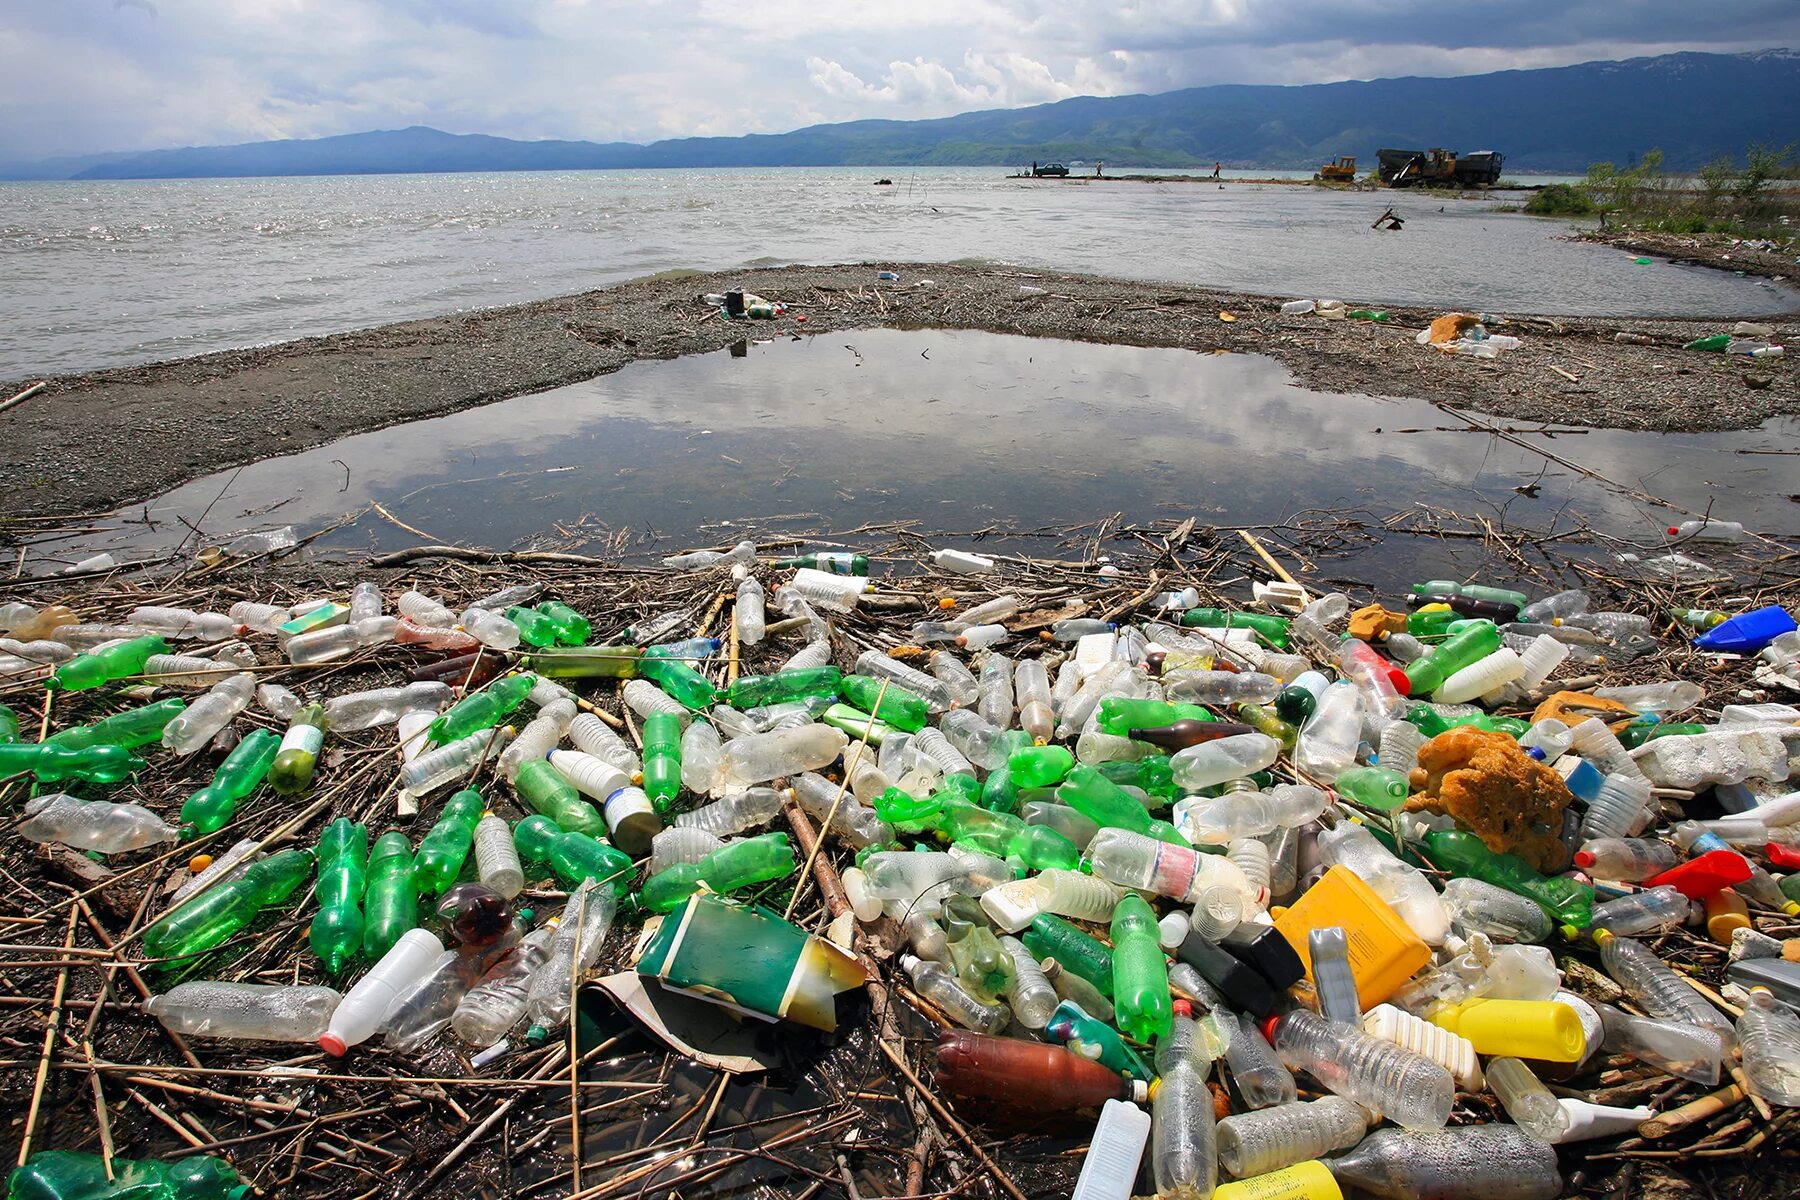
[1341,171]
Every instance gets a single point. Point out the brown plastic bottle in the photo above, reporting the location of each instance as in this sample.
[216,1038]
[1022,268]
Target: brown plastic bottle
[1021,1074]
[455,670]
[1185,733]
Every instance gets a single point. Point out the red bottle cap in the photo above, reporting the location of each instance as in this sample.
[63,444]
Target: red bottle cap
[1674,530]
[1401,683]
[1268,1029]
[1183,1008]
[1584,859]
[1785,857]
[1700,877]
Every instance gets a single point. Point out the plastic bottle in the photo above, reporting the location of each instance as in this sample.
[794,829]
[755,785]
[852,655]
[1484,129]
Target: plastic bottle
[941,987]
[184,623]
[1407,1088]
[1134,861]
[438,766]
[391,901]
[97,825]
[325,645]
[1332,976]
[856,824]
[119,661]
[580,936]
[1555,607]
[1310,1180]
[1620,810]
[1459,852]
[482,710]
[1262,1079]
[1402,886]
[958,684]
[1708,530]
[298,757]
[490,629]
[573,856]
[1114,1153]
[937,693]
[193,728]
[592,736]
[212,807]
[259,1012]
[961,562]
[1025,1076]
[1470,1162]
[381,706]
[1530,1104]
[1329,738]
[1627,860]
[1768,1037]
[543,788]
[364,1006]
[1140,973]
[1656,988]
[50,762]
[764,756]
[68,1175]
[496,858]
[215,915]
[1652,910]
[1674,1047]
[1477,907]
[337,928]
[1451,1051]
[493,1006]
[1184,1158]
[1259,1142]
[748,614]
[445,848]
[1538,1029]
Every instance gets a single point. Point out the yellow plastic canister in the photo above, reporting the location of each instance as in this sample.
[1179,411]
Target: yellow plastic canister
[1302,1181]
[1384,951]
[1544,1029]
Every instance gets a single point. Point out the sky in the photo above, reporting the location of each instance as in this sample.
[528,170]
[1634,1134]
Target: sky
[84,76]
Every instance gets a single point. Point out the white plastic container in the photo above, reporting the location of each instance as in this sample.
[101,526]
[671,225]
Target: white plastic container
[364,1006]
[1114,1154]
[961,562]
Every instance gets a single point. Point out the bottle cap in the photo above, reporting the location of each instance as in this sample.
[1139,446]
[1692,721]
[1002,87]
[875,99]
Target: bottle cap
[1182,1008]
[1268,1029]
[333,1045]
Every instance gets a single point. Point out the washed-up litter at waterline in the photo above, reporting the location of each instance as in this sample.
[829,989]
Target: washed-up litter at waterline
[1183,868]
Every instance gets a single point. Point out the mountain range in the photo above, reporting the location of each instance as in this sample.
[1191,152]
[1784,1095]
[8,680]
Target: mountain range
[1692,106]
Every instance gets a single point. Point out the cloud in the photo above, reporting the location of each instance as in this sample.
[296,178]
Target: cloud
[95,75]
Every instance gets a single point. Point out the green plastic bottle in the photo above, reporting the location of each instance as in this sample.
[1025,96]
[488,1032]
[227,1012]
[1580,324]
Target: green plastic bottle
[1272,629]
[900,707]
[220,911]
[1040,766]
[1002,835]
[535,629]
[9,725]
[1459,852]
[728,869]
[751,691]
[573,856]
[1432,624]
[586,662]
[1374,787]
[1264,721]
[86,671]
[666,668]
[69,1175]
[662,760]
[982,964]
[212,807]
[1141,1002]
[1153,773]
[899,807]
[1379,316]
[50,762]
[1700,619]
[1095,1039]
[858,724]
[298,757]
[1466,645]
[483,709]
[131,729]
[545,792]
[1477,591]
[572,629]
[337,928]
[1119,715]
[1715,343]
[1049,936]
[445,848]
[1108,805]
[837,562]
[391,904]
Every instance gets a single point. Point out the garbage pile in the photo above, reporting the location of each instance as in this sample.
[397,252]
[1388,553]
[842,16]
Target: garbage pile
[1292,897]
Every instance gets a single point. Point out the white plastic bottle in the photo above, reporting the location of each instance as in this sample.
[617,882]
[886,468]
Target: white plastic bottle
[360,1014]
[961,562]
[1110,1170]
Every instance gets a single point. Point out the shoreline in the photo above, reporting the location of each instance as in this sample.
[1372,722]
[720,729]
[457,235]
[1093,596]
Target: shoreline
[105,439]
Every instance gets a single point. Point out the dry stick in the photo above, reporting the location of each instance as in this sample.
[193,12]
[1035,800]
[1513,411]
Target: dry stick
[1269,559]
[50,1030]
[500,1110]
[21,398]
[830,813]
[574,1025]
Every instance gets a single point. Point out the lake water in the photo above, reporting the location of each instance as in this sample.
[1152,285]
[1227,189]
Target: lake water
[113,273]
[961,431]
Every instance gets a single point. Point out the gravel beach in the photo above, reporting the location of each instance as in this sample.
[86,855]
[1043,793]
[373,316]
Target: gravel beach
[96,441]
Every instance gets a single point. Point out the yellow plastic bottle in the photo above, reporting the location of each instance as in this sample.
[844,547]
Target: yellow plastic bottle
[1384,951]
[1302,1181]
[1542,1029]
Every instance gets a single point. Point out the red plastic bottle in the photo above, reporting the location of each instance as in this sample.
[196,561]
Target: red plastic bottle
[1700,877]
[1785,857]
[1023,1074]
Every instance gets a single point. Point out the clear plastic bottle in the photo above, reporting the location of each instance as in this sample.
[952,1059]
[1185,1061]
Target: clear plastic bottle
[939,985]
[324,645]
[201,721]
[1184,1157]
[1031,997]
[1675,1047]
[1220,687]
[1627,860]
[1262,1079]
[278,701]
[541,735]
[1652,910]
[748,615]
[260,1012]
[364,1006]
[1251,856]
[1133,860]
[735,813]
[1768,1037]
[1478,907]
[497,1003]
[1250,814]
[1256,1143]
[700,747]
[994,698]
[381,706]
[1665,697]
[1332,977]
[1555,607]
[1400,743]
[489,628]
[1223,759]
[1031,687]
[580,935]
[1530,1104]
[976,738]
[677,845]
[1621,810]
[854,823]
[962,686]
[936,692]
[438,766]
[1708,530]
[1329,738]
[593,736]
[1657,988]
[765,756]
[1470,1162]
[1592,740]
[185,623]
[496,858]
[1402,886]
[169,670]
[98,825]
[1407,1088]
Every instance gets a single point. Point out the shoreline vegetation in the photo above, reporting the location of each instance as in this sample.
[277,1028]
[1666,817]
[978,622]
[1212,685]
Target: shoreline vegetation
[78,444]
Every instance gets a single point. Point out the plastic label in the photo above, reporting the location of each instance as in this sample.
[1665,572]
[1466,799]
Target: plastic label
[626,803]
[303,737]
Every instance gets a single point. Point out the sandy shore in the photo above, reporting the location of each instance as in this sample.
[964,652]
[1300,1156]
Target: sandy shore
[97,441]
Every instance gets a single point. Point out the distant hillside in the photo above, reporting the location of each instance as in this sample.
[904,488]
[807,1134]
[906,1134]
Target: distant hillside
[1692,106]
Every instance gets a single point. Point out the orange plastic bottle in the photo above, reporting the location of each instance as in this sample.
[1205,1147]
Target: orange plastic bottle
[1025,1074]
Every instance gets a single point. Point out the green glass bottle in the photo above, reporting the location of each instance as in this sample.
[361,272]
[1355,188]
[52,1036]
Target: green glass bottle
[1108,805]
[1040,766]
[337,928]
[585,662]
[49,762]
[573,856]
[728,869]
[1466,645]
[445,848]
[662,759]
[483,709]
[900,707]
[535,629]
[1566,901]
[131,729]
[212,807]
[1374,787]
[1049,936]
[572,629]
[1141,1002]
[391,904]
[220,911]
[545,792]
[670,672]
[1095,1039]
[1119,715]
[838,562]
[298,756]
[86,671]
[70,1175]
[751,691]
[1274,630]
